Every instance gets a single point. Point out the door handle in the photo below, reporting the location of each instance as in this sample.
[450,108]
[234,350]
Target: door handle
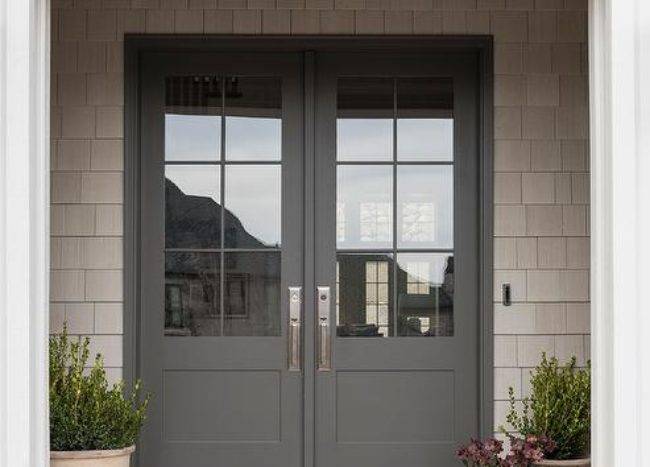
[324,332]
[295,302]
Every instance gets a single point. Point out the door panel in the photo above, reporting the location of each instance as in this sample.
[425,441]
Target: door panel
[221,153]
[397,244]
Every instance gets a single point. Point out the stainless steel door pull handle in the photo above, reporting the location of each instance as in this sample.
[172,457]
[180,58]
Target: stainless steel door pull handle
[324,330]
[295,328]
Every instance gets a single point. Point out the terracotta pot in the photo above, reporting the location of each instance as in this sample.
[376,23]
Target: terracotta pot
[566,463]
[109,458]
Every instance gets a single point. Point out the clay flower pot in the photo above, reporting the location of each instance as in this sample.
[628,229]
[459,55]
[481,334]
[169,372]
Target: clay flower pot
[565,463]
[109,458]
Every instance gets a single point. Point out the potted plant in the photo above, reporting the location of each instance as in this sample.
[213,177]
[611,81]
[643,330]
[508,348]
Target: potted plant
[91,424]
[559,408]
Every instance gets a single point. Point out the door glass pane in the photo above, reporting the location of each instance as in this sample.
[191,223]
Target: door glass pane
[425,294]
[425,210]
[364,206]
[364,291]
[253,119]
[425,124]
[252,294]
[192,300]
[193,118]
[252,201]
[192,206]
[364,124]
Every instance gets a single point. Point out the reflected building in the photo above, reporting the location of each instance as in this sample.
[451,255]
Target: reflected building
[195,291]
[419,304]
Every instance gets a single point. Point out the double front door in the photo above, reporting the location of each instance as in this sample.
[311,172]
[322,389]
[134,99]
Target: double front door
[308,258]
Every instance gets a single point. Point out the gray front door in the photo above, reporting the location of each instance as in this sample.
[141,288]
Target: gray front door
[221,197]
[309,254]
[396,258]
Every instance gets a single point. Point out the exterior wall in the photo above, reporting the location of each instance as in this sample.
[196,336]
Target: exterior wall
[541,166]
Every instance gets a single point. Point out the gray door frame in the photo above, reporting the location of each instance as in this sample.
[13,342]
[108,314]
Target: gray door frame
[136,46]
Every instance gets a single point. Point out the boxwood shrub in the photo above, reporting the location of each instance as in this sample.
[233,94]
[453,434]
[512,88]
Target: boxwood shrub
[85,412]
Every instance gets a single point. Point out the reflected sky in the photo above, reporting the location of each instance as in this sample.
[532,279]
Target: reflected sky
[359,139]
[192,137]
[253,138]
[253,195]
[425,139]
[196,180]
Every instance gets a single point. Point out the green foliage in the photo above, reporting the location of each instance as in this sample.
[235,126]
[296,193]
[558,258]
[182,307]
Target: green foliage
[85,414]
[558,407]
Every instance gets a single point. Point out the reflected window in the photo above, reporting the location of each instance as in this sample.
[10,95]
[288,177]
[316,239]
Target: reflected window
[192,294]
[425,206]
[364,295]
[364,206]
[252,294]
[425,294]
[395,190]
[222,214]
[377,295]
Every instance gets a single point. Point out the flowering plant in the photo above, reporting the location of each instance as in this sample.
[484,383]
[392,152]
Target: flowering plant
[523,452]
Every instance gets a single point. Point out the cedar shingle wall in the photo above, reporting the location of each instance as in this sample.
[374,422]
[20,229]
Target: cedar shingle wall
[541,162]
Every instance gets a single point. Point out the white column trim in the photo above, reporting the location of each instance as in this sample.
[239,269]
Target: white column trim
[24,231]
[620,218]
[601,234]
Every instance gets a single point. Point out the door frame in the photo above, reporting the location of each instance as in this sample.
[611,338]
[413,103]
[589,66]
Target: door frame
[135,45]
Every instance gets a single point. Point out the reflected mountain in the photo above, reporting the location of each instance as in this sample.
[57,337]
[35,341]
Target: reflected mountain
[195,222]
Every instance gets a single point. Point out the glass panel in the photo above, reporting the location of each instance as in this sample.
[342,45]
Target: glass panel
[364,125]
[192,283]
[252,200]
[425,124]
[192,206]
[425,210]
[253,119]
[364,295]
[192,118]
[252,294]
[425,294]
[364,206]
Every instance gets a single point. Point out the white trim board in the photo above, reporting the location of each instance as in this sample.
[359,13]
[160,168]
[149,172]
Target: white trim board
[24,231]
[619,56]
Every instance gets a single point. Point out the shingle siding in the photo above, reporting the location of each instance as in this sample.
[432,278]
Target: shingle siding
[541,164]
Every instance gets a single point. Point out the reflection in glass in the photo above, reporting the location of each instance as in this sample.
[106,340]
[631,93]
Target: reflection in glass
[192,206]
[252,294]
[425,206]
[253,119]
[425,294]
[252,199]
[430,139]
[364,125]
[425,126]
[192,137]
[364,206]
[192,294]
[364,284]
